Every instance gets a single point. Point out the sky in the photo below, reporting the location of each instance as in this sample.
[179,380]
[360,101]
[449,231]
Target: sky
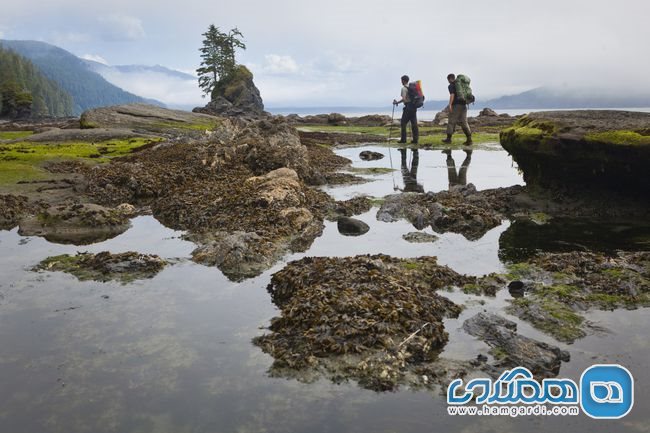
[352,52]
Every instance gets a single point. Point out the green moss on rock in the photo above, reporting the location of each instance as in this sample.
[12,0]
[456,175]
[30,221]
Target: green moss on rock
[621,137]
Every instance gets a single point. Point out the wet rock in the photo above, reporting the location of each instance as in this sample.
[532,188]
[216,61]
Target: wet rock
[374,319]
[419,237]
[353,206]
[583,151]
[512,349]
[487,285]
[368,155]
[238,255]
[78,224]
[352,227]
[517,289]
[460,210]
[15,207]
[558,288]
[104,266]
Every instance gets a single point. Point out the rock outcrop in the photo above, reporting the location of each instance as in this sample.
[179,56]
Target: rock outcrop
[461,210]
[104,266]
[235,95]
[78,224]
[512,349]
[587,150]
[148,118]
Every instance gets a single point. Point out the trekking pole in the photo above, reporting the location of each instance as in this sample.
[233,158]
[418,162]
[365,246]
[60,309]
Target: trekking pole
[390,157]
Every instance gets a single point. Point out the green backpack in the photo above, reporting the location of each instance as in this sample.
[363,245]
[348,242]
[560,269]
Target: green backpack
[463,91]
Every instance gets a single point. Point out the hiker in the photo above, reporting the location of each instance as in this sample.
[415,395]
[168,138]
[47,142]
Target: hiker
[410,175]
[409,114]
[457,113]
[460,177]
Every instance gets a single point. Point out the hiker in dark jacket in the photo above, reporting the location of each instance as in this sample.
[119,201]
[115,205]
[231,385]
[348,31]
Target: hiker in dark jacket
[409,114]
[457,113]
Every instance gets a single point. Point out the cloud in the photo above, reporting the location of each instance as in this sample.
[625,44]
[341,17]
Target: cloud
[276,64]
[122,27]
[95,58]
[166,88]
[65,38]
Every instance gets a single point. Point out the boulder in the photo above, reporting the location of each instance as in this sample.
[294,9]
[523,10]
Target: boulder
[272,144]
[487,112]
[337,119]
[235,95]
[352,227]
[419,237]
[441,117]
[583,150]
[368,155]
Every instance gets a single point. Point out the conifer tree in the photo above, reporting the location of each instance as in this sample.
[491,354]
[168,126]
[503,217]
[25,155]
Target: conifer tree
[218,56]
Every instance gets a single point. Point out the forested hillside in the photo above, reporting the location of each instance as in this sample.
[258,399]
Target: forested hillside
[26,92]
[87,88]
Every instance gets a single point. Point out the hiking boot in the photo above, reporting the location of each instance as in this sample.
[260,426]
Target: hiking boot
[401,142]
[447,140]
[469,141]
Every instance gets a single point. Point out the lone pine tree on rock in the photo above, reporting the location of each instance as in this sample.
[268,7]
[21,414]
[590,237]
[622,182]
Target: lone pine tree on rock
[218,56]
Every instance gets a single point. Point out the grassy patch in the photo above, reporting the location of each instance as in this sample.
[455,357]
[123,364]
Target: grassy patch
[517,271]
[377,201]
[23,161]
[14,135]
[622,137]
[472,289]
[410,266]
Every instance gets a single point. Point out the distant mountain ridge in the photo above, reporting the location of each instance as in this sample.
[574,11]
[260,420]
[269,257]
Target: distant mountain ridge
[551,97]
[87,88]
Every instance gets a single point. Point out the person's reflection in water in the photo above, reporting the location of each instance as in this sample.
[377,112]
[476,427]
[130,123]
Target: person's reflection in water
[410,175]
[459,178]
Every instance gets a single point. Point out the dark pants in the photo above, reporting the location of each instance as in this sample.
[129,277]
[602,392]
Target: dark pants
[410,115]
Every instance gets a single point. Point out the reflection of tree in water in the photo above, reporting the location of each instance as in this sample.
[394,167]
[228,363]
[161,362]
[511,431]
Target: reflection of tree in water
[460,177]
[410,175]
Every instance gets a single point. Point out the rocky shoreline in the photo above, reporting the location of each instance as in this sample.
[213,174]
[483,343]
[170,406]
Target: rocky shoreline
[244,191]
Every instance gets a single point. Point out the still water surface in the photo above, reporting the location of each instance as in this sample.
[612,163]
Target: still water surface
[174,353]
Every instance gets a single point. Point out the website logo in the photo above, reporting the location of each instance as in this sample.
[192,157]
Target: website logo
[606,391]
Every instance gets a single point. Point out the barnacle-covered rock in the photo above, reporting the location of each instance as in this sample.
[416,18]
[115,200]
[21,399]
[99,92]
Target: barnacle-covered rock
[373,317]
